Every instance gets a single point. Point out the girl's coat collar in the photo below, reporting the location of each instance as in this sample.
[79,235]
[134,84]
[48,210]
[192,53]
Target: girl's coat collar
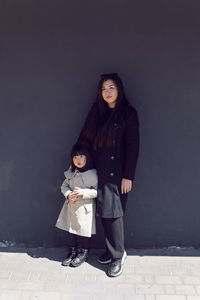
[69,174]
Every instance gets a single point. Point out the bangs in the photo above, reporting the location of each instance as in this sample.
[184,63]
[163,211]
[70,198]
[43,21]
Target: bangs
[76,153]
[78,150]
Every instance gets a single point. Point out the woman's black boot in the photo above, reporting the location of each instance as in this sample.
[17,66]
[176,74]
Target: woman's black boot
[81,256]
[72,253]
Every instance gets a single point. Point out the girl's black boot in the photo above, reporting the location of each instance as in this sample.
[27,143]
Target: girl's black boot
[72,253]
[81,256]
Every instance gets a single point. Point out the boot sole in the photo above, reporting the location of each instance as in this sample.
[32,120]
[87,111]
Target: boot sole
[104,262]
[65,265]
[76,265]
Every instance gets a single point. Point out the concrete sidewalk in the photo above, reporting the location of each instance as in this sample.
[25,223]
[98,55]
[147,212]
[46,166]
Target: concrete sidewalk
[168,274]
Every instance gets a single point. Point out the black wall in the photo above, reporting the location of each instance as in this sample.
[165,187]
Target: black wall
[51,55]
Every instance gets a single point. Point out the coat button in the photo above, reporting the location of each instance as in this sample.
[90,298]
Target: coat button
[112,157]
[111,174]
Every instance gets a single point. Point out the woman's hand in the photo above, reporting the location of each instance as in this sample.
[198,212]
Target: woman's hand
[126,185]
[78,192]
[72,197]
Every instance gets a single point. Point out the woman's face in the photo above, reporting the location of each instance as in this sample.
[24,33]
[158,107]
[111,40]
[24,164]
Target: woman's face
[110,92]
[79,160]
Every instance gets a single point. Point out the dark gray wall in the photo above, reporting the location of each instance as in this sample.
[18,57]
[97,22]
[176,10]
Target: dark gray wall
[51,55]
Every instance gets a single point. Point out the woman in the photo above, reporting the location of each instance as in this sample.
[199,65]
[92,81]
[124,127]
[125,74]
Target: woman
[111,129]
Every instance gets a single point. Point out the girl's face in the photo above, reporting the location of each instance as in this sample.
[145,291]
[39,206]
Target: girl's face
[79,160]
[110,92]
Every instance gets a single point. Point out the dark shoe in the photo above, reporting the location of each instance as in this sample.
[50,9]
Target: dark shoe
[72,253]
[80,257]
[104,258]
[116,267]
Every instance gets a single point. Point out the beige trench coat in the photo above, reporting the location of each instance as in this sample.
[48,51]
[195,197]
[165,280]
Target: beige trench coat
[79,217]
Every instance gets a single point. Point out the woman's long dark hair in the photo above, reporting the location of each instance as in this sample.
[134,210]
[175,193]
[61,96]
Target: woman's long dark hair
[105,134]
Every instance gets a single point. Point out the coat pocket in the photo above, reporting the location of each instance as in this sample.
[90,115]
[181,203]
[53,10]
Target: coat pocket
[88,205]
[81,207]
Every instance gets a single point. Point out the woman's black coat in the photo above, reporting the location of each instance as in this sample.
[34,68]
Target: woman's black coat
[116,162]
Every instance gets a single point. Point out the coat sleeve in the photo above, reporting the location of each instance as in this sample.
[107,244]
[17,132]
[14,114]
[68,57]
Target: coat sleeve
[131,138]
[90,193]
[65,188]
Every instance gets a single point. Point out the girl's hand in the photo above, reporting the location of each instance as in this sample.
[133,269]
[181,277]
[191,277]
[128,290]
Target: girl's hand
[72,197]
[126,185]
[78,192]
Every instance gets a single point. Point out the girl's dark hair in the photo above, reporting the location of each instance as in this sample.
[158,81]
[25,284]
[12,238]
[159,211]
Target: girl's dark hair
[81,149]
[105,134]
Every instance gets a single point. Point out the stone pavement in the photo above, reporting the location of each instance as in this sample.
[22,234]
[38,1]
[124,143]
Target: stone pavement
[159,274]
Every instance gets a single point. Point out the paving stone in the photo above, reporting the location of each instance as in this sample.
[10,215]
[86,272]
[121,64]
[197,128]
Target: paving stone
[49,276]
[30,285]
[149,289]
[185,290]
[197,287]
[168,280]
[169,289]
[171,297]
[74,296]
[191,280]
[7,284]
[10,295]
[182,271]
[45,296]
[26,295]
[19,275]
[134,278]
[149,279]
[5,274]
[34,276]
[194,271]
[132,297]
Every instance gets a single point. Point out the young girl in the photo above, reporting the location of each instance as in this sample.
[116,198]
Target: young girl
[77,215]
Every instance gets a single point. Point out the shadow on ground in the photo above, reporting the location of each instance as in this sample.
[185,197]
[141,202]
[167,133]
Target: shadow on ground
[55,254]
[58,254]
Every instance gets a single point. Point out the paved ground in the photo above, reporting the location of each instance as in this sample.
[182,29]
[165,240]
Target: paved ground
[36,274]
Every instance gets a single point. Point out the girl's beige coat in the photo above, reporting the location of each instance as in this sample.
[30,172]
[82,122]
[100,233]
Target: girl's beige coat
[79,217]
